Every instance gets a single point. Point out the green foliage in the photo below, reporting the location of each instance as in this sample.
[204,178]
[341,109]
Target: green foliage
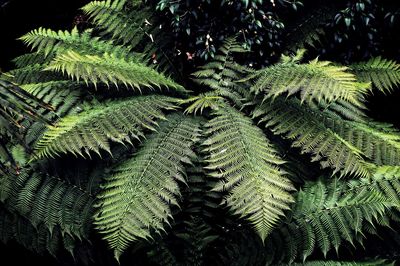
[316,80]
[305,129]
[248,167]
[328,213]
[136,198]
[107,69]
[382,73]
[91,130]
[215,190]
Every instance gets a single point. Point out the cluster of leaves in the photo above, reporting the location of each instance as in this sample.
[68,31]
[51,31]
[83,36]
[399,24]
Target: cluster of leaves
[280,164]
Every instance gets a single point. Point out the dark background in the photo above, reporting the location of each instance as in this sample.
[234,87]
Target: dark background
[18,17]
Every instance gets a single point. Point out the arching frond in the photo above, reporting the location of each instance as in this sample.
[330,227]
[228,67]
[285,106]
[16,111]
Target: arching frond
[248,168]
[316,80]
[382,73]
[329,213]
[109,69]
[306,130]
[90,130]
[136,197]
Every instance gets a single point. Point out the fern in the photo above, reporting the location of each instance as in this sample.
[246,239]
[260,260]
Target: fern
[248,167]
[62,95]
[382,73]
[136,198]
[317,80]
[17,104]
[53,203]
[326,214]
[109,69]
[221,75]
[118,121]
[50,43]
[306,131]
[110,16]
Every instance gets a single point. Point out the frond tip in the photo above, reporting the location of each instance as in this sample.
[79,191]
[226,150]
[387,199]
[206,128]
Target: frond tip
[136,199]
[248,168]
[382,73]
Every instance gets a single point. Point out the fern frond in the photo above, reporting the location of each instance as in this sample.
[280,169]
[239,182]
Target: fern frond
[136,198]
[248,166]
[379,142]
[53,203]
[17,104]
[329,213]
[382,73]
[62,95]
[201,102]
[305,128]
[221,74]
[49,42]
[317,80]
[109,69]
[33,74]
[90,130]
[125,25]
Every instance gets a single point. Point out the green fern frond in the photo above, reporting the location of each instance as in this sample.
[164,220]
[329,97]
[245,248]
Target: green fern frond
[305,128]
[221,74]
[90,130]
[127,26]
[382,73]
[317,80]
[329,213]
[379,142]
[33,74]
[201,102]
[30,59]
[17,104]
[53,203]
[49,42]
[248,166]
[109,69]
[62,95]
[136,198]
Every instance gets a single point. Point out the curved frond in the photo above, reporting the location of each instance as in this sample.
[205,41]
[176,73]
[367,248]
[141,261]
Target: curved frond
[248,168]
[306,130]
[317,80]
[382,73]
[109,69]
[92,129]
[136,197]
